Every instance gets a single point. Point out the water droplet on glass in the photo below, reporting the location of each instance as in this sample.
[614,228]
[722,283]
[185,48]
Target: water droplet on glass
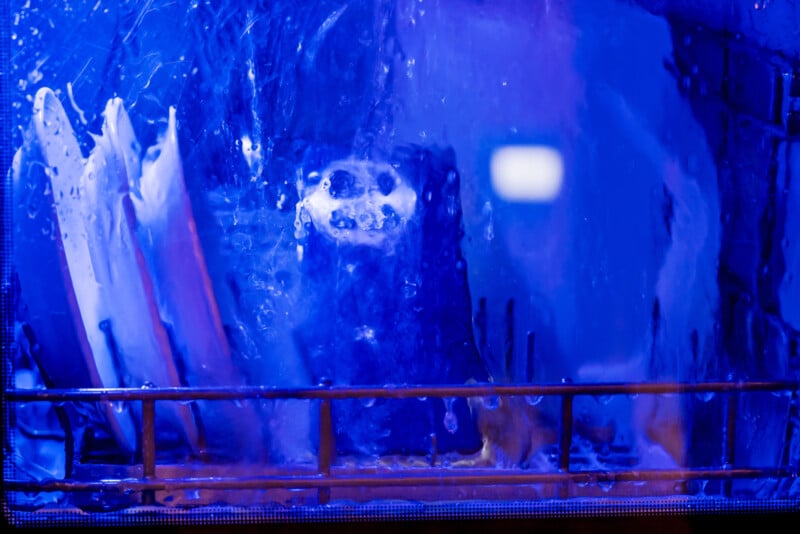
[492,403]
[533,400]
[450,419]
[368,402]
[410,67]
[603,399]
[450,422]
[488,232]
[605,484]
[705,396]
[409,290]
[118,406]
[422,399]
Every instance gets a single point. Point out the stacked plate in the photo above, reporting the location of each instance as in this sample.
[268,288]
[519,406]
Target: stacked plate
[114,283]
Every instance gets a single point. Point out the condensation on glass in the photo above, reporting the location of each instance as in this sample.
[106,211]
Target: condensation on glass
[293,257]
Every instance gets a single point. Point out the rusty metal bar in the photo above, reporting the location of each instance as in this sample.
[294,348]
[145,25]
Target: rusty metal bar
[148,447]
[508,342]
[729,454]
[69,440]
[565,439]
[325,456]
[390,392]
[408,477]
[565,433]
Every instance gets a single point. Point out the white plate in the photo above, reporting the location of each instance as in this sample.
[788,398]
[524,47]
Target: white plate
[58,285]
[168,235]
[102,286]
[127,297]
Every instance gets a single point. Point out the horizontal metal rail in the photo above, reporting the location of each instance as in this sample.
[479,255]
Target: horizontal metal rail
[471,477]
[388,391]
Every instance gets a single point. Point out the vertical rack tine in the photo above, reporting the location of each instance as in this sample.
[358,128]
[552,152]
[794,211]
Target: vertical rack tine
[730,439]
[325,443]
[565,437]
[148,447]
[508,343]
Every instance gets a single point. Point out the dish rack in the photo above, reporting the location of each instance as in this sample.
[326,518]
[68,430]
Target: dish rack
[148,484]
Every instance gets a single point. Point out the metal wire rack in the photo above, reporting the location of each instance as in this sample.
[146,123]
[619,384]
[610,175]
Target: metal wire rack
[325,477]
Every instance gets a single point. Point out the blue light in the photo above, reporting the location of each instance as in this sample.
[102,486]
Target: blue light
[300,235]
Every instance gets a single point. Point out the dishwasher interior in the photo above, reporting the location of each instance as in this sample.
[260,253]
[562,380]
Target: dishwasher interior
[399,259]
